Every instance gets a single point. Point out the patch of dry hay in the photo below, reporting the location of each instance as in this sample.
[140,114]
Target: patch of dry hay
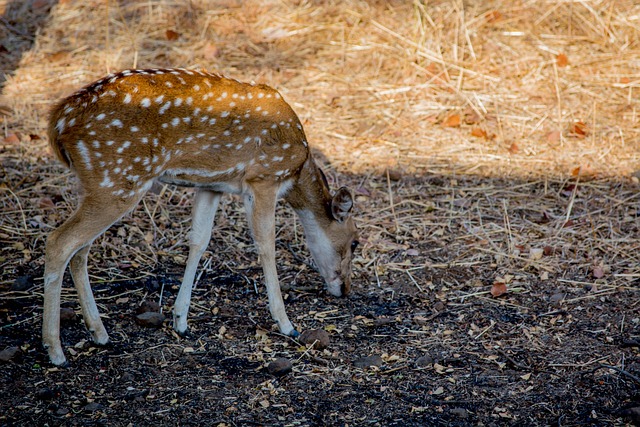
[377,83]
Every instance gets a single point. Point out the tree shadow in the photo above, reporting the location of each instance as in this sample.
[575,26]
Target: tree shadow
[19,25]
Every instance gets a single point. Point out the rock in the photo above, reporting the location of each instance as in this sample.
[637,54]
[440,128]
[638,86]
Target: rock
[148,307]
[47,393]
[557,299]
[22,283]
[61,412]
[460,413]
[382,321]
[394,174]
[10,353]
[423,361]
[280,366]
[67,315]
[150,320]
[93,407]
[318,338]
[633,414]
[368,361]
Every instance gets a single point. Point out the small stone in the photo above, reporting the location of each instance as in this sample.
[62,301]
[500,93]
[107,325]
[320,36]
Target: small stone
[22,283]
[318,338]
[67,315]
[280,366]
[394,174]
[148,307]
[460,413]
[47,393]
[382,321]
[62,411]
[368,361]
[556,299]
[93,407]
[150,320]
[10,353]
[423,361]
[633,414]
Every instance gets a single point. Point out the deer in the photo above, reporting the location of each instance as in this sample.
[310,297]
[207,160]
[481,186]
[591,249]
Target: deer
[197,129]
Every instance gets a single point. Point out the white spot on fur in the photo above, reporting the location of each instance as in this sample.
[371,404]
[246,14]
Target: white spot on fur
[84,153]
[60,125]
[146,102]
[106,182]
[165,107]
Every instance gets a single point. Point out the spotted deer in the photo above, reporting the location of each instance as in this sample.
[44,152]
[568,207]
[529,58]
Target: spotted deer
[198,129]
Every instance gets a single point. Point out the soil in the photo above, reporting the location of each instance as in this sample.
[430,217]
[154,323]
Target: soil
[419,342]
[494,154]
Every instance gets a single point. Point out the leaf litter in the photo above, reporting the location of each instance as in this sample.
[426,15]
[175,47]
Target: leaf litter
[487,145]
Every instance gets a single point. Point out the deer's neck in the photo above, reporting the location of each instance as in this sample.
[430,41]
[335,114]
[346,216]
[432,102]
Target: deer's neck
[310,196]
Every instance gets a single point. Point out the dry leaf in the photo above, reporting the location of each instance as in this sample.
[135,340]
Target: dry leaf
[562,60]
[536,253]
[172,35]
[210,51]
[598,272]
[494,16]
[513,148]
[46,203]
[578,129]
[553,137]
[452,121]
[479,133]
[471,117]
[12,138]
[498,288]
[58,56]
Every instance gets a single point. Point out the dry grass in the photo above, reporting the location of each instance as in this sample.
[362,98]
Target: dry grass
[452,89]
[486,141]
[376,82]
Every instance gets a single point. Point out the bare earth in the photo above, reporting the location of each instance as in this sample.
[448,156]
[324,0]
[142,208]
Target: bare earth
[493,153]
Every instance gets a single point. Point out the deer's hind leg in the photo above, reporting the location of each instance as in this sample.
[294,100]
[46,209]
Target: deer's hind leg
[71,242]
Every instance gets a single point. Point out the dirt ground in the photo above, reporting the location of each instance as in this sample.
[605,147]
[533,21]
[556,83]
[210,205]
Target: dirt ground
[497,282]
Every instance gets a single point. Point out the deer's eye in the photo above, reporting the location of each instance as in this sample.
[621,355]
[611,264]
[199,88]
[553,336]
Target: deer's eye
[354,245]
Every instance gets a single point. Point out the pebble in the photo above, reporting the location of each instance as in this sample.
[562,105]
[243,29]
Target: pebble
[22,283]
[460,413]
[93,407]
[148,307]
[394,174]
[279,367]
[10,353]
[368,361]
[557,299]
[67,315]
[319,338]
[423,361]
[150,319]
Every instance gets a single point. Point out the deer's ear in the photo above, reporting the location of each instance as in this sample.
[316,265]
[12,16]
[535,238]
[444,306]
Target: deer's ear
[341,204]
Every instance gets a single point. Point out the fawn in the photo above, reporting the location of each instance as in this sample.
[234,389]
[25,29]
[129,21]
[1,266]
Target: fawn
[189,128]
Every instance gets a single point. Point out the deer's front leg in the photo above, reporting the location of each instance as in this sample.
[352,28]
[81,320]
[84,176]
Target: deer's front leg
[205,205]
[260,205]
